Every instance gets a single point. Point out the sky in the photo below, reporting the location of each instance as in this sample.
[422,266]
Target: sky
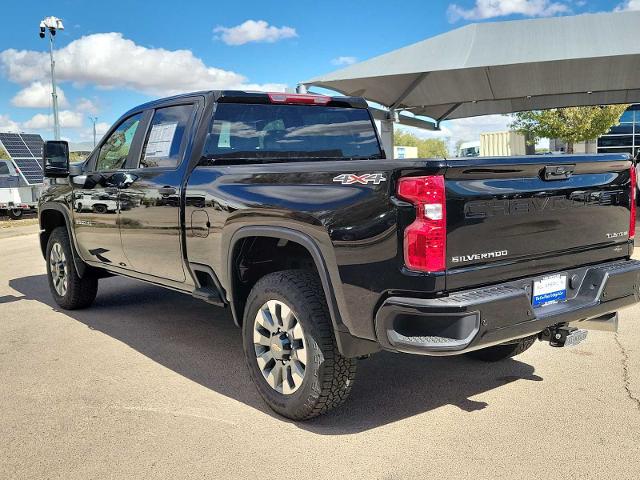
[112,56]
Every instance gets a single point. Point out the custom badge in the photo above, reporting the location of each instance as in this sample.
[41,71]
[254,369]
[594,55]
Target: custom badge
[352,178]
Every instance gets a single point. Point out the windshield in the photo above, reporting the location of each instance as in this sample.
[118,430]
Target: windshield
[244,131]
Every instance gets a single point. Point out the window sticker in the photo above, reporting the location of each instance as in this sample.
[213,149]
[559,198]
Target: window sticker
[160,140]
[224,140]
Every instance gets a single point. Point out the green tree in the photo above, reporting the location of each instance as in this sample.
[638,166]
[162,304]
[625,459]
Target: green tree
[571,125]
[75,157]
[427,147]
[3,154]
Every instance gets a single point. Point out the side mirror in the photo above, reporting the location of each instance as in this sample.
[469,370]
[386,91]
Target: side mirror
[55,159]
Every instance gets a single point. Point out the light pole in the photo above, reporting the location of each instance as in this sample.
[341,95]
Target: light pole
[52,24]
[94,120]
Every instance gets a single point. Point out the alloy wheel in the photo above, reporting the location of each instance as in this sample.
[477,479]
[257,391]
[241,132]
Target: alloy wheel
[58,267]
[279,343]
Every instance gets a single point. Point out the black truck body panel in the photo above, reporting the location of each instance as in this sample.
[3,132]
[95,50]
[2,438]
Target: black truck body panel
[171,222]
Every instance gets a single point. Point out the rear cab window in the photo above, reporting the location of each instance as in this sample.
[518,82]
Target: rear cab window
[166,136]
[281,132]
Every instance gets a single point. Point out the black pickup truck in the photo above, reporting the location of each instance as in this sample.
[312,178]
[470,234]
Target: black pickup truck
[286,209]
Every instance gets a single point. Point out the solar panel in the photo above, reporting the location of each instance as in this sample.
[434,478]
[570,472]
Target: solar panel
[14,145]
[30,169]
[25,150]
[34,143]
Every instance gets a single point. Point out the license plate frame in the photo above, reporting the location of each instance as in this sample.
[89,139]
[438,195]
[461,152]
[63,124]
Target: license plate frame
[549,290]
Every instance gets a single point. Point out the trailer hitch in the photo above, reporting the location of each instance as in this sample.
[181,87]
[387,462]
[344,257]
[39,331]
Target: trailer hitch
[563,335]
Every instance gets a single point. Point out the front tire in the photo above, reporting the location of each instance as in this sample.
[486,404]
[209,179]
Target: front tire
[502,352]
[290,347]
[69,290]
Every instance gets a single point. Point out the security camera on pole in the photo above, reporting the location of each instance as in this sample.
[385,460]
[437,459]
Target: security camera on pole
[52,24]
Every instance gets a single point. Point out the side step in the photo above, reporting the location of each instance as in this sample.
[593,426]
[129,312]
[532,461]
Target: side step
[209,295]
[605,323]
[208,286]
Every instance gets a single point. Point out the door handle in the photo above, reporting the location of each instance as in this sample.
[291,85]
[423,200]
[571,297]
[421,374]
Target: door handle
[166,191]
[126,180]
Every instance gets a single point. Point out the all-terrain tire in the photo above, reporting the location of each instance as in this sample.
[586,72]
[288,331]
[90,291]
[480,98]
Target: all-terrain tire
[502,352]
[328,376]
[79,292]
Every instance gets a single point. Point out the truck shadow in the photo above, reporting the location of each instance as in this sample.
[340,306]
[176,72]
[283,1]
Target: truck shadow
[193,339]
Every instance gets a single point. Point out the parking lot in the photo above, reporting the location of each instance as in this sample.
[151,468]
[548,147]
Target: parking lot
[152,384]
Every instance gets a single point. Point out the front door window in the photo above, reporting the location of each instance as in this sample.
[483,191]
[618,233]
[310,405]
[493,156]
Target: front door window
[113,153]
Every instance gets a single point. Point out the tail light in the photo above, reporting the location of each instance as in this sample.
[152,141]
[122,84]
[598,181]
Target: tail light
[299,98]
[425,240]
[633,200]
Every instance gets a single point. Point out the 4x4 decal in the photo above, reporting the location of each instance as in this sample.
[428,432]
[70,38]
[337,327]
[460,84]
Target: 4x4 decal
[365,178]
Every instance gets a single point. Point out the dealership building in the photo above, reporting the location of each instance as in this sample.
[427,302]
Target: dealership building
[624,138]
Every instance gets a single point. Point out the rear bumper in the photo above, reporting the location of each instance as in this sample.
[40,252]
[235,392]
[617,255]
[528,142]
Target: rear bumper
[479,318]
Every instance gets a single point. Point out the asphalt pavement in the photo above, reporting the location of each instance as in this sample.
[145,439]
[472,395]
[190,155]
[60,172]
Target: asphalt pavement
[150,383]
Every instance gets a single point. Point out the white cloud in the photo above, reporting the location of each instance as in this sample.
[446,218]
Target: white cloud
[108,60]
[344,60]
[484,9]
[68,119]
[628,5]
[86,134]
[8,125]
[254,31]
[86,106]
[38,95]
[101,128]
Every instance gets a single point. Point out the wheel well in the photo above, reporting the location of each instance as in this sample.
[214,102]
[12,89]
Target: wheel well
[255,257]
[49,220]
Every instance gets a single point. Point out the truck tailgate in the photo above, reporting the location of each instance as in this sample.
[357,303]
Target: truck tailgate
[506,216]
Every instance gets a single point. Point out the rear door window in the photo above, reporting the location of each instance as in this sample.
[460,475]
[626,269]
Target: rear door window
[166,137]
[244,131]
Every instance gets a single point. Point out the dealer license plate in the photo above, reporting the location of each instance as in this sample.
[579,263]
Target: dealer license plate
[551,289]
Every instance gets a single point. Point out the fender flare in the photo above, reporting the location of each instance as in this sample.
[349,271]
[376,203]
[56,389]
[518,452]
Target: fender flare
[348,345]
[81,267]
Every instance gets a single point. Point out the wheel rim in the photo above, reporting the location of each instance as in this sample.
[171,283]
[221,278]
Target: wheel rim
[58,267]
[279,344]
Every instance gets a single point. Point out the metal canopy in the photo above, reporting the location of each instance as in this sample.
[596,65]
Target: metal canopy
[504,67]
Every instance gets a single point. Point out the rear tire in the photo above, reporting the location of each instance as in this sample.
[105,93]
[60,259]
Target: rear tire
[15,214]
[502,352]
[299,375]
[69,290]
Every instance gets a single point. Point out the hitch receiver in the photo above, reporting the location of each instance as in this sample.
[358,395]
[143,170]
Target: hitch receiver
[563,335]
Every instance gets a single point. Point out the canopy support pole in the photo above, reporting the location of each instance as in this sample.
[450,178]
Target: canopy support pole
[386,135]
